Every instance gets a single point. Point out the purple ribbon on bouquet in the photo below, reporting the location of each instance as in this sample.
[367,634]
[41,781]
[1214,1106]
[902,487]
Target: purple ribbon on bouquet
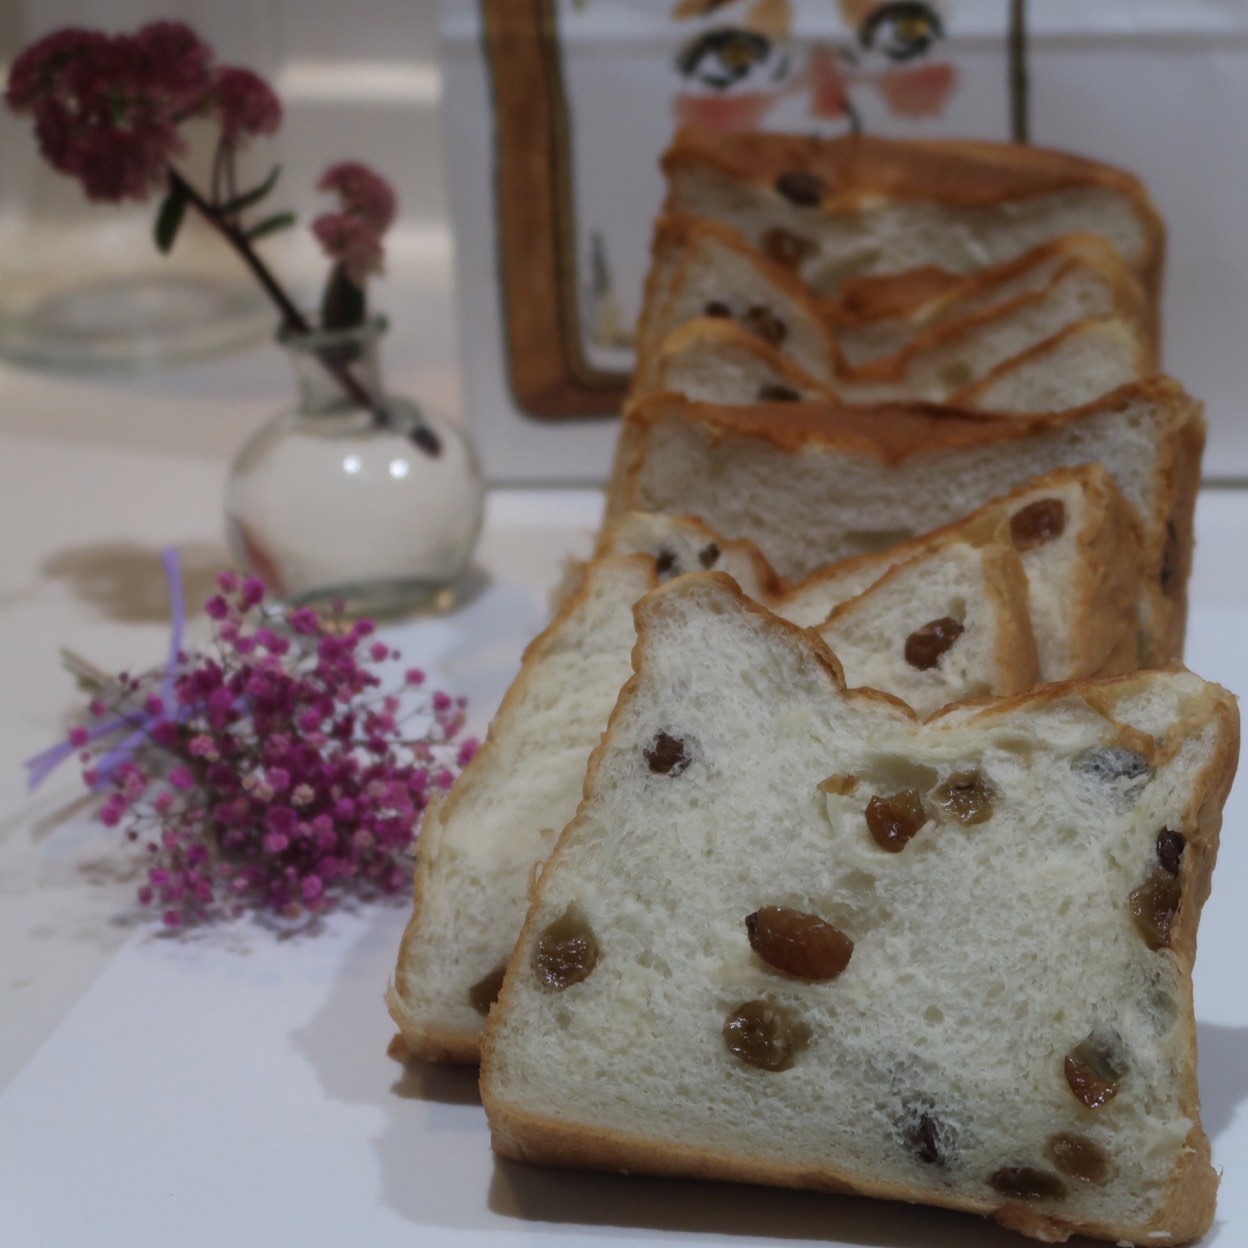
[140,722]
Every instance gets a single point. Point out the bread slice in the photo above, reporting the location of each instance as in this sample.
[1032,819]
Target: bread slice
[812,484]
[863,205]
[716,361]
[1077,541]
[637,1030]
[878,317]
[1079,364]
[704,266]
[479,847]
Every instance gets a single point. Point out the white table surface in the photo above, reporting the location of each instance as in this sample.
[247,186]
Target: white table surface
[225,1087]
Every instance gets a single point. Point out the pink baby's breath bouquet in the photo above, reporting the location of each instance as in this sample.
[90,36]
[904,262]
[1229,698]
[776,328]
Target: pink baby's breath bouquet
[268,771]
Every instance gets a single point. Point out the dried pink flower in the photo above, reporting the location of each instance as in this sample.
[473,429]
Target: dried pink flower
[365,195]
[244,105]
[277,775]
[347,241]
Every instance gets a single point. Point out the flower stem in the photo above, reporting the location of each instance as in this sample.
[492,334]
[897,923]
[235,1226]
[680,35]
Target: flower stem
[292,319]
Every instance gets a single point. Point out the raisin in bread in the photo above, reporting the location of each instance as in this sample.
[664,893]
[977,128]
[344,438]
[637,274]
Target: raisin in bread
[811,484]
[966,605]
[715,361]
[863,205]
[946,963]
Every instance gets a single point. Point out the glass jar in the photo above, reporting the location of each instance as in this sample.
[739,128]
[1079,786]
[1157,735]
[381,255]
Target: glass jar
[354,495]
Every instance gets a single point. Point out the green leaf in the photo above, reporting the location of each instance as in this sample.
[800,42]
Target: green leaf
[253,196]
[169,218]
[270,225]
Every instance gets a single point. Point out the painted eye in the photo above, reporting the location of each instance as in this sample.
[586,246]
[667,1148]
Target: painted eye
[721,58]
[901,30]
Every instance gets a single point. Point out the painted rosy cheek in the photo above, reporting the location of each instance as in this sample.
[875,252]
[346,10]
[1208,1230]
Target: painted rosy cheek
[723,113]
[919,91]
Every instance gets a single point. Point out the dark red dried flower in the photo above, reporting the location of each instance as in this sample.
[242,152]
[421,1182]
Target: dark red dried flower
[244,105]
[365,195]
[350,243]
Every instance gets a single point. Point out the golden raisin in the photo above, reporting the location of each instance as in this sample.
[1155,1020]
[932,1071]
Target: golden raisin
[894,820]
[1027,1183]
[798,943]
[1153,907]
[966,796]
[785,247]
[926,645]
[761,1034]
[1079,1157]
[708,556]
[1037,523]
[567,951]
[766,324]
[1170,846]
[666,755]
[774,392]
[838,784]
[1094,1068]
[801,187]
[485,991]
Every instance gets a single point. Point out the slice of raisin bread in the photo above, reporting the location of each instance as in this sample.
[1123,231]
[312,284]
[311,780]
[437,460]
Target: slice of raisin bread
[811,484]
[794,937]
[719,275]
[479,847]
[1077,539]
[864,205]
[878,317]
[715,361]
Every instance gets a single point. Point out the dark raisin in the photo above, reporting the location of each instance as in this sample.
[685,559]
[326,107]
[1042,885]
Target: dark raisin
[1107,763]
[708,556]
[894,820]
[967,796]
[785,247]
[925,645]
[666,755]
[838,783]
[1169,570]
[925,1135]
[774,392]
[1037,523]
[762,1035]
[1154,905]
[766,324]
[1170,846]
[801,187]
[717,309]
[1026,1183]
[798,943]
[567,951]
[485,991]
[1079,1157]
[1095,1067]
[666,564]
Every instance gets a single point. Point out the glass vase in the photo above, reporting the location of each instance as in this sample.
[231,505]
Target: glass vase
[354,495]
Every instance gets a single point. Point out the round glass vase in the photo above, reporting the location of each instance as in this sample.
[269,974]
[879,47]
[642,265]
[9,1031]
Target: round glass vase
[354,495]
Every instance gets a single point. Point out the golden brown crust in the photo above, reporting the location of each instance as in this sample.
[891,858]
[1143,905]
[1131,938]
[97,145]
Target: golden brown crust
[952,172]
[429,1042]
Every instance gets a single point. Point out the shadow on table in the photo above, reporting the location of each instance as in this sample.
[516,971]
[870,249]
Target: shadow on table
[125,580]
[435,1168]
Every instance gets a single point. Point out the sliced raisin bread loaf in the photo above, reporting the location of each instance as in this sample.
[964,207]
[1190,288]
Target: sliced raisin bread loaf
[966,604]
[794,937]
[711,360]
[863,205]
[811,484]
